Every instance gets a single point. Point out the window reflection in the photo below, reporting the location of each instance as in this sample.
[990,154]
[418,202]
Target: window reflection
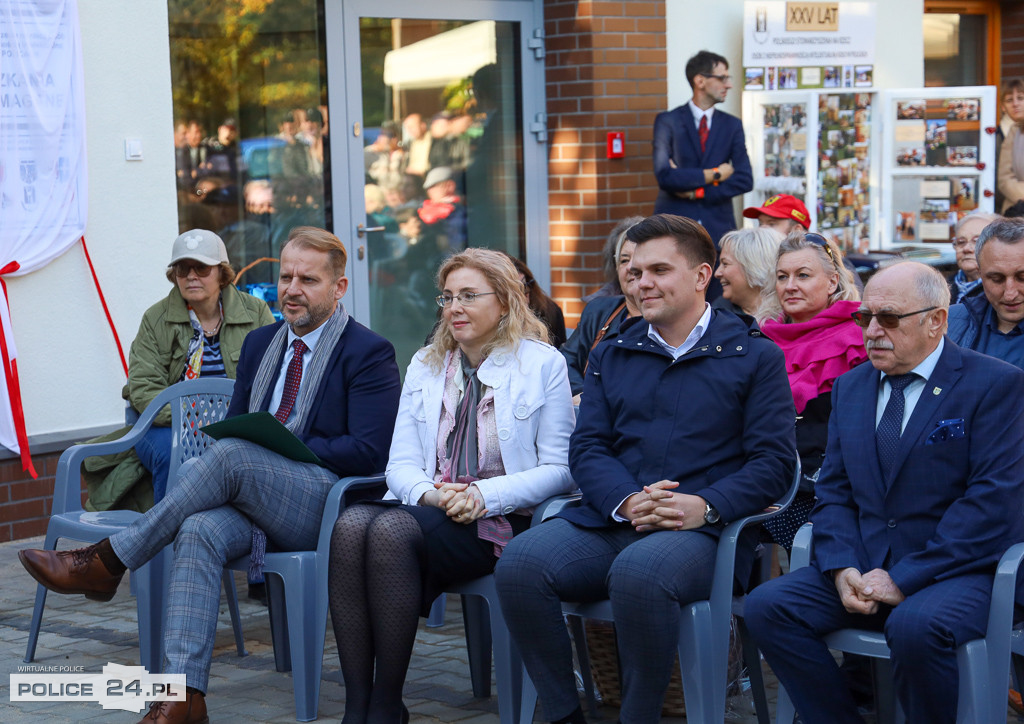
[251,126]
[442,159]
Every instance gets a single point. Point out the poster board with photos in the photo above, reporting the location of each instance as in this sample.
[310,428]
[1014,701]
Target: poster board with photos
[938,161]
[819,146]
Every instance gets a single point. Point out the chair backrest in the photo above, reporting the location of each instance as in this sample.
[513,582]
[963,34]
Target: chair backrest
[199,402]
[194,403]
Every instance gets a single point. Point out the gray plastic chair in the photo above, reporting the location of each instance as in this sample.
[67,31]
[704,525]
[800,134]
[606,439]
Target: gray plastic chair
[984,663]
[193,403]
[703,633]
[297,597]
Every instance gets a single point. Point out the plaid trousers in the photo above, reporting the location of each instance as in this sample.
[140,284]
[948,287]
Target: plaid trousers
[209,515]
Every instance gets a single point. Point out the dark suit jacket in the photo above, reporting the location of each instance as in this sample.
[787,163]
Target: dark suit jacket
[353,416]
[719,421]
[675,138]
[954,501]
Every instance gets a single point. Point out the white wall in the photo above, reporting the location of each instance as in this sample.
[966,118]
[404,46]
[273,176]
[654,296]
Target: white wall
[694,25]
[71,376]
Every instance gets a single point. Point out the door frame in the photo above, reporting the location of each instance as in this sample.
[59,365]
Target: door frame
[345,109]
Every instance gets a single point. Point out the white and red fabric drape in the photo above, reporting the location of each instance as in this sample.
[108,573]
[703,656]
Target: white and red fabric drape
[42,164]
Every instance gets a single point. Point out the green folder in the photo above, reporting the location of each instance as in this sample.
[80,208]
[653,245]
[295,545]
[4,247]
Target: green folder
[266,431]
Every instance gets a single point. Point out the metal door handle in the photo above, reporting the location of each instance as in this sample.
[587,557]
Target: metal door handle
[362,231]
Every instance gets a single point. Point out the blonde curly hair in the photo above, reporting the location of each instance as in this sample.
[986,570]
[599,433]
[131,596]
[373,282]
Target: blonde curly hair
[518,323]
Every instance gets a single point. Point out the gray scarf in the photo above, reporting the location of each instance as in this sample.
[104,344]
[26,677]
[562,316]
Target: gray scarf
[312,374]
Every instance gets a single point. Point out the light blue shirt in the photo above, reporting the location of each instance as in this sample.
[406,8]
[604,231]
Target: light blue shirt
[912,392]
[310,341]
[691,339]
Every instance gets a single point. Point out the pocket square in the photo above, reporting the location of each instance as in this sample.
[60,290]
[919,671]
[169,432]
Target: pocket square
[947,430]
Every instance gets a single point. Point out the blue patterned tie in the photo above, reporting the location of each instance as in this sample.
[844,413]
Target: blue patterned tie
[887,434]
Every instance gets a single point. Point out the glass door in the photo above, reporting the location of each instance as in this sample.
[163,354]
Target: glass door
[438,148]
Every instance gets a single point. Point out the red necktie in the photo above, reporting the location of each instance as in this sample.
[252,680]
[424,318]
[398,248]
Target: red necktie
[291,381]
[702,131]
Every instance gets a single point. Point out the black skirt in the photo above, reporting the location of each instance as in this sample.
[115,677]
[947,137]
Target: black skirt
[452,552]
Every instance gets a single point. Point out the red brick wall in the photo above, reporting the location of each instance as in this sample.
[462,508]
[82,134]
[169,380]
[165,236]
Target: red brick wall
[25,503]
[1012,47]
[605,72]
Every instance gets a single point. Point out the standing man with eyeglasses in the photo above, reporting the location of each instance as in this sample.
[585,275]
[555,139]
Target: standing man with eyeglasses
[330,381]
[921,493]
[700,154]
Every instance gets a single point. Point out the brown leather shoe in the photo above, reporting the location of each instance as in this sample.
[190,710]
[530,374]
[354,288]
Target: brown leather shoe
[190,711]
[77,571]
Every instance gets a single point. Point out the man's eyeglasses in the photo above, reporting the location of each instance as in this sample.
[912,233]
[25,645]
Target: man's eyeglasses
[464,298]
[886,320]
[724,78]
[823,243]
[960,242]
[182,269]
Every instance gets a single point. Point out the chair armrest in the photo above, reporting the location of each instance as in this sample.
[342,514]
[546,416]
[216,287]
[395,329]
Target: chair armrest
[554,505]
[67,486]
[1000,616]
[800,556]
[332,510]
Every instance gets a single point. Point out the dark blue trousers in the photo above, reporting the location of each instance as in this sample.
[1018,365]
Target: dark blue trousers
[789,616]
[647,576]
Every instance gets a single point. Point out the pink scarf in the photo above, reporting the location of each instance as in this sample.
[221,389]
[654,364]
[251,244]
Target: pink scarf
[818,350]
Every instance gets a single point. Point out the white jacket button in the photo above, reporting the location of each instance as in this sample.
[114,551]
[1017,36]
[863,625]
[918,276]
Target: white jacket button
[508,509]
[504,434]
[521,411]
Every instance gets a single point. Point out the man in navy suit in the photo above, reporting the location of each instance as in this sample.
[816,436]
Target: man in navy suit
[686,425]
[700,155]
[334,384]
[921,492]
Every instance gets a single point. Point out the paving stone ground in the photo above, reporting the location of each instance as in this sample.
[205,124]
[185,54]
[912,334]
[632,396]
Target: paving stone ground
[77,632]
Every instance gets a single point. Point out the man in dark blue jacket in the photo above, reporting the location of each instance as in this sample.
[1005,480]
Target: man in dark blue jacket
[991,319]
[331,382]
[700,153]
[687,423]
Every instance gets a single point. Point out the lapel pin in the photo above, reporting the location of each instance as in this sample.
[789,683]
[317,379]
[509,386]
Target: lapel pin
[936,390]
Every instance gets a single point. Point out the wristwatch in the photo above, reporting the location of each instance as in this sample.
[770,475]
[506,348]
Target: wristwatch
[711,514]
[717,176]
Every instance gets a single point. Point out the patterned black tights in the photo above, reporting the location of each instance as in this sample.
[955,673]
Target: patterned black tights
[374,587]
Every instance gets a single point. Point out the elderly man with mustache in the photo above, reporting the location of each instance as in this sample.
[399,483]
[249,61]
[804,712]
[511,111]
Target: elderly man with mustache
[921,493]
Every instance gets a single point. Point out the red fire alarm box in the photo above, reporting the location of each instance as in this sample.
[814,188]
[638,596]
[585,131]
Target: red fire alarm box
[616,144]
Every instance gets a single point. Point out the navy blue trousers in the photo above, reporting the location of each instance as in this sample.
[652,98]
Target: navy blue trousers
[788,617]
[647,576]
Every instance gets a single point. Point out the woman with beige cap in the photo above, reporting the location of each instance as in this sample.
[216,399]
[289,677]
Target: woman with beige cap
[195,331]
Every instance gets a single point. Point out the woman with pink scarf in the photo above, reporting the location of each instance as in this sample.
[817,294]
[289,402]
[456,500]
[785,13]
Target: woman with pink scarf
[808,315]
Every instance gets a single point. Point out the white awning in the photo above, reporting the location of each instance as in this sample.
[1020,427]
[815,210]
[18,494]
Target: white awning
[437,61]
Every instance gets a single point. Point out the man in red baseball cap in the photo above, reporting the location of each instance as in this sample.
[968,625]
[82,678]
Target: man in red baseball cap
[782,213]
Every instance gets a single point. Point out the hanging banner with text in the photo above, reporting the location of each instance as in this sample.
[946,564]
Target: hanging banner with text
[42,159]
[792,45]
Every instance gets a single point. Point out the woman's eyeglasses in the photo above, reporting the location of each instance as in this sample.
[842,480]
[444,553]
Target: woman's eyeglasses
[182,269]
[886,320]
[464,298]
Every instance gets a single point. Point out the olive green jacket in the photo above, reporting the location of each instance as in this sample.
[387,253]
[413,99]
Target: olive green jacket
[155,362]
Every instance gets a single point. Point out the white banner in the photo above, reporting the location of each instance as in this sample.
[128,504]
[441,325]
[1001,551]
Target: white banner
[42,156]
[782,34]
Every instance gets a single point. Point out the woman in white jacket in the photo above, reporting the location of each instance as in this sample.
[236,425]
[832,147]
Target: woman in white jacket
[482,437]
